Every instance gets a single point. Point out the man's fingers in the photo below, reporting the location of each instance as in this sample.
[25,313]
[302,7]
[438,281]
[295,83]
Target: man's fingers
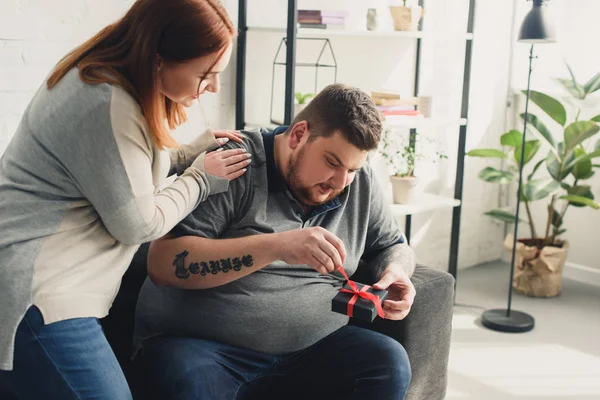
[324,260]
[332,253]
[402,305]
[386,280]
[338,244]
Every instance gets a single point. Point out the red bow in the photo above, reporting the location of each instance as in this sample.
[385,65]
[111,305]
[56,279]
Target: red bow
[360,293]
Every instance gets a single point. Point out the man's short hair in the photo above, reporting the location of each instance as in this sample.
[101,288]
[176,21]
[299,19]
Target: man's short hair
[345,109]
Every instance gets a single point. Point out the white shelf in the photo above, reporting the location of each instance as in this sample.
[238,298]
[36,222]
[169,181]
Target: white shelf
[423,203]
[420,122]
[307,32]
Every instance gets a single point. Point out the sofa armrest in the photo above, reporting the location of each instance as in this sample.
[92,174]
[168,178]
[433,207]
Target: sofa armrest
[425,333]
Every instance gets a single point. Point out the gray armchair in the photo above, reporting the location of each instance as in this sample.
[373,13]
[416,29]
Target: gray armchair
[425,333]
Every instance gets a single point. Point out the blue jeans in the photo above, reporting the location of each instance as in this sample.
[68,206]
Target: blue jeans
[351,363]
[64,360]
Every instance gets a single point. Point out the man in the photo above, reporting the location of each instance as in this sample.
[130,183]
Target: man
[261,262]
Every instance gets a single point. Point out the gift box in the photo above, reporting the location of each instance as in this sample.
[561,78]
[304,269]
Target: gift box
[350,302]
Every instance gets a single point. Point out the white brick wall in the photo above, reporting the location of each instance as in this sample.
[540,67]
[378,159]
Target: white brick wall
[35,34]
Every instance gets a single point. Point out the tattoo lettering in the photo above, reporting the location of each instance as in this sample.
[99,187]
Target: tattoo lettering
[215,267]
[194,268]
[212,267]
[226,265]
[205,269]
[180,270]
[247,261]
[237,264]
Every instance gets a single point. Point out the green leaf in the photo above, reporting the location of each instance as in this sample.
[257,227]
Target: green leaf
[582,169]
[549,105]
[539,163]
[581,191]
[571,162]
[581,200]
[579,131]
[556,219]
[559,232]
[553,166]
[576,84]
[540,188]
[531,148]
[575,90]
[597,145]
[596,118]
[493,153]
[493,175]
[541,129]
[512,139]
[502,215]
[593,84]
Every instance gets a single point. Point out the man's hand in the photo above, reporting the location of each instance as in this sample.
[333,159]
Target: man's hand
[315,247]
[401,293]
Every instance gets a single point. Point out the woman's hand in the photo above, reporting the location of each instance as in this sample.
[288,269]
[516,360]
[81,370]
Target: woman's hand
[223,136]
[228,164]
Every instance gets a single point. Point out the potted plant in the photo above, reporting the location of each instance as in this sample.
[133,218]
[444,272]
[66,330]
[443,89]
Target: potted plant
[402,158]
[568,164]
[301,100]
[406,18]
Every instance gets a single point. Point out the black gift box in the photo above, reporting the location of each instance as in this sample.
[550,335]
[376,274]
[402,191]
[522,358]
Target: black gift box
[364,309]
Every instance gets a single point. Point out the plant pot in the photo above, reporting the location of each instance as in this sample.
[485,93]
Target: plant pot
[298,108]
[538,272]
[406,18]
[404,189]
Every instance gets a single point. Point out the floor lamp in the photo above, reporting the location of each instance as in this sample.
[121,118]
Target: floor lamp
[536,28]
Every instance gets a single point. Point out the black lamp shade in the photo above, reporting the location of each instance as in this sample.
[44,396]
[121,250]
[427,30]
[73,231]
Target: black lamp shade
[536,27]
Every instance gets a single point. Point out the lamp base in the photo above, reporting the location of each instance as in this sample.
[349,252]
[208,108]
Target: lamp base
[515,322]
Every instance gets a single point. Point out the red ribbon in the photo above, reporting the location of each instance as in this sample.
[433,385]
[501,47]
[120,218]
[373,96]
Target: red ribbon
[360,293]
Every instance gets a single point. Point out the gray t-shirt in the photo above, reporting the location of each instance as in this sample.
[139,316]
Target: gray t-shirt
[281,308]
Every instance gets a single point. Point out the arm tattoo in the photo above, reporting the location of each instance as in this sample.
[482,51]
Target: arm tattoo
[399,254]
[211,267]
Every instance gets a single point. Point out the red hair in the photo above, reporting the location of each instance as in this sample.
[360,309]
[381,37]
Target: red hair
[125,53]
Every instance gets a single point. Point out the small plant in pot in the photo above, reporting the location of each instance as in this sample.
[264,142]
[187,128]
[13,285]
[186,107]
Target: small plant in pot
[402,158]
[568,164]
[302,100]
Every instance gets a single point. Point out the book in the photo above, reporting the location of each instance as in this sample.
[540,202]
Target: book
[320,26]
[322,13]
[322,20]
[385,95]
[409,101]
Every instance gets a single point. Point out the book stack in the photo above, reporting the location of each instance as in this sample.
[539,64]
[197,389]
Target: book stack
[321,19]
[391,104]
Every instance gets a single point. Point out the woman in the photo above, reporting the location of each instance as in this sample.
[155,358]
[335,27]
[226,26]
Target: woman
[82,184]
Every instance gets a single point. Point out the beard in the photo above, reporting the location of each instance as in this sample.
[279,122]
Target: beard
[303,193]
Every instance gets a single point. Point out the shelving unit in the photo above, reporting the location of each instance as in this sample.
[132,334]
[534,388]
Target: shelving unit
[426,202]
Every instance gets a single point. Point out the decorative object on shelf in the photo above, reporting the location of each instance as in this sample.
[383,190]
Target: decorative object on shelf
[322,19]
[425,104]
[372,19]
[402,159]
[535,29]
[406,18]
[302,100]
[541,258]
[323,50]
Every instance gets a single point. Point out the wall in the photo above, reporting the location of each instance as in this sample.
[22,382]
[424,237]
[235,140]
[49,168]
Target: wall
[575,21]
[34,34]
